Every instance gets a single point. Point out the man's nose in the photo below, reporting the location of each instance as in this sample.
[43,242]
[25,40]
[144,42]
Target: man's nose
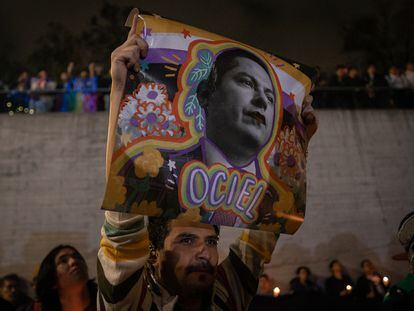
[260,99]
[203,251]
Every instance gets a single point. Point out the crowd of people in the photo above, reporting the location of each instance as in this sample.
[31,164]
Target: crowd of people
[351,88]
[63,280]
[337,292]
[85,91]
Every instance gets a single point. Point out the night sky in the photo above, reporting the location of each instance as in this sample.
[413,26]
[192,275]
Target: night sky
[307,31]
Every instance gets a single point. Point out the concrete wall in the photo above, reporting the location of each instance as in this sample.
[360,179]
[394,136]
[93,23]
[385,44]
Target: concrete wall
[360,176]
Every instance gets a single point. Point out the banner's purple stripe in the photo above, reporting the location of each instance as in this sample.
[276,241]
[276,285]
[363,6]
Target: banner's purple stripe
[154,55]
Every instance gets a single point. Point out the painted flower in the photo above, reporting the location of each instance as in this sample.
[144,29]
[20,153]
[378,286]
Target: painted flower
[116,192]
[148,163]
[192,214]
[127,119]
[155,93]
[146,208]
[169,127]
[150,118]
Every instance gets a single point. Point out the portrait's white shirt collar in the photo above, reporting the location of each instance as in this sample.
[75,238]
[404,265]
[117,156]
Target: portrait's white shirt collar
[214,155]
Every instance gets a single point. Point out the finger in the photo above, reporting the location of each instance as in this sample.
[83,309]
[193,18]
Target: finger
[307,101]
[133,29]
[128,56]
[137,41]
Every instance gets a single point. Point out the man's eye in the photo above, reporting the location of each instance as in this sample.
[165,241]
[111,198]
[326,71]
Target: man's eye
[212,242]
[186,241]
[270,99]
[246,82]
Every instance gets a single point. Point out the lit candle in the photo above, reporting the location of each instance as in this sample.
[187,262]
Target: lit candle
[385,281]
[348,288]
[276,292]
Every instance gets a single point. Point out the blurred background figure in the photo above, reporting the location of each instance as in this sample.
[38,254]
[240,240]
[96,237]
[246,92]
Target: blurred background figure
[409,74]
[376,98]
[303,283]
[397,82]
[44,102]
[12,290]
[339,287]
[265,286]
[401,295]
[354,80]
[370,288]
[63,282]
[338,98]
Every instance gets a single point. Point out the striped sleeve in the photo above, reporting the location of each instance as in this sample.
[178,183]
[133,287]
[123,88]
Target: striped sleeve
[124,249]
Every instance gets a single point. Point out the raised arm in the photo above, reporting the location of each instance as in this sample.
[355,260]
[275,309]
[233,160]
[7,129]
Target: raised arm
[124,247]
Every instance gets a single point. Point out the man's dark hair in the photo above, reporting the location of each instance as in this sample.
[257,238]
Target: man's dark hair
[331,264]
[363,262]
[159,228]
[303,268]
[46,280]
[10,277]
[224,62]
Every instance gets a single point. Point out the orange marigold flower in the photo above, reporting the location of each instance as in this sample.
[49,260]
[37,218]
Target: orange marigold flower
[148,163]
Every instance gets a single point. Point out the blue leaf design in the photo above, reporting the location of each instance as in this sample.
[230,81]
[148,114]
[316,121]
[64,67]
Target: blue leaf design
[191,105]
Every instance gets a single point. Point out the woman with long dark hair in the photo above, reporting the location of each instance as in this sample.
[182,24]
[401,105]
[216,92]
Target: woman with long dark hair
[63,282]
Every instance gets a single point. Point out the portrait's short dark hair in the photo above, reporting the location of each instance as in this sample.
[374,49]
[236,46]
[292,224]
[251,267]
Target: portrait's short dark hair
[224,62]
[159,228]
[46,280]
[303,268]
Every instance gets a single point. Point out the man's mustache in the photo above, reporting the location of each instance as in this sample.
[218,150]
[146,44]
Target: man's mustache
[202,266]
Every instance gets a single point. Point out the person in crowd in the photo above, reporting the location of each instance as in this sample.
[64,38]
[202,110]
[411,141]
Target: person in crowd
[370,287]
[397,83]
[66,96]
[409,74]
[41,102]
[374,82]
[401,295]
[85,85]
[339,287]
[395,79]
[63,282]
[303,282]
[103,82]
[265,286]
[353,80]
[338,96]
[12,291]
[19,96]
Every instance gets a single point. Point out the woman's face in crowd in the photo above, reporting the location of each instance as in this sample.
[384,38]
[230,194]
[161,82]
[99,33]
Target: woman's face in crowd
[70,268]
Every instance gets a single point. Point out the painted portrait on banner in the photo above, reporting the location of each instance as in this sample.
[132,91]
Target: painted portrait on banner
[210,129]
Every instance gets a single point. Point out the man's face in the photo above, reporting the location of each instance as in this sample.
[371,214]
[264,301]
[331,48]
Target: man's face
[242,107]
[368,268]
[10,290]
[187,264]
[71,269]
[336,268]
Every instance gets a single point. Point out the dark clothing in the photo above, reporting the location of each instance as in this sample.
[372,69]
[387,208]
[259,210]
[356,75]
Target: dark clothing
[298,288]
[401,296]
[5,305]
[376,98]
[365,287]
[334,287]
